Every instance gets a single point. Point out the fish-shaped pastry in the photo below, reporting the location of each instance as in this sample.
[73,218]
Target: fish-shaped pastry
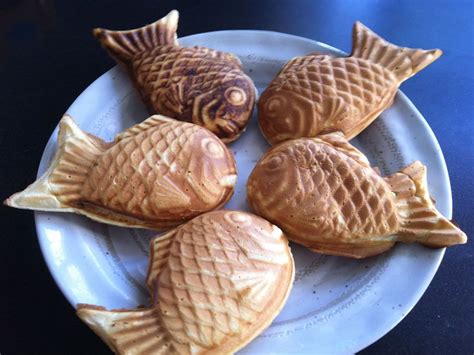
[157,174]
[216,283]
[320,93]
[193,84]
[324,195]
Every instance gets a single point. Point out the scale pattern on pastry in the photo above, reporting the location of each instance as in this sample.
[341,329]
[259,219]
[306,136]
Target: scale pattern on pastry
[320,93]
[193,84]
[216,283]
[323,193]
[156,174]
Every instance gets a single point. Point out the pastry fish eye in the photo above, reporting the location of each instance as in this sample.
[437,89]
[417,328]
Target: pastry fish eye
[274,162]
[235,96]
[275,103]
[212,148]
[237,218]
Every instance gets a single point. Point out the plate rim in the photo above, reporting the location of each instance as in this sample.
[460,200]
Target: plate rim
[420,289]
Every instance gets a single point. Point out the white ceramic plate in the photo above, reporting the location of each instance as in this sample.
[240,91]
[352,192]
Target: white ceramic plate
[337,304]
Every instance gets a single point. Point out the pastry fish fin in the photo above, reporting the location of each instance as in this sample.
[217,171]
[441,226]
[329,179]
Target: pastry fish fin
[206,173]
[336,112]
[338,141]
[403,62]
[173,99]
[124,45]
[421,221]
[139,331]
[150,122]
[159,252]
[169,195]
[61,184]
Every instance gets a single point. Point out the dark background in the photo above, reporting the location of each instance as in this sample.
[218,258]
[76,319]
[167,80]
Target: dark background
[48,57]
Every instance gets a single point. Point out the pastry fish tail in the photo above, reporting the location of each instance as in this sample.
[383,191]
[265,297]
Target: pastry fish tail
[421,221]
[403,62]
[137,331]
[124,45]
[60,186]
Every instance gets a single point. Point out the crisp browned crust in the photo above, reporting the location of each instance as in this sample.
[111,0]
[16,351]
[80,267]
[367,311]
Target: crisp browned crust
[320,93]
[194,84]
[319,193]
[217,282]
[323,193]
[157,174]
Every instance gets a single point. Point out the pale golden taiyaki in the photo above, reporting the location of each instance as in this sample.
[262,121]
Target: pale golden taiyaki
[193,84]
[215,282]
[319,93]
[324,195]
[157,174]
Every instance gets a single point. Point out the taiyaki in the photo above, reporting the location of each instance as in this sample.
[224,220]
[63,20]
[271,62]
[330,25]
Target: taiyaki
[216,283]
[324,194]
[193,84]
[320,93]
[157,174]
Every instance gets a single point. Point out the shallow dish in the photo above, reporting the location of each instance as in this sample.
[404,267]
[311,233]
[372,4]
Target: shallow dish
[337,304]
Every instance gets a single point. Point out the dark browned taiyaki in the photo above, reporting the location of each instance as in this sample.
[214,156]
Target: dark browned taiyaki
[324,195]
[319,93]
[193,84]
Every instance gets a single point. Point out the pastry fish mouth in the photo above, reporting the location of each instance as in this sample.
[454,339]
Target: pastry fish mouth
[228,180]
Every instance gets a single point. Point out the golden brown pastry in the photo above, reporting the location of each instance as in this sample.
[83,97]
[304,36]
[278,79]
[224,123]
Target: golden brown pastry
[324,195]
[216,283]
[194,84]
[156,174]
[320,93]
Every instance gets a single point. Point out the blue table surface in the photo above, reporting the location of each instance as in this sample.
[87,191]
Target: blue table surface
[48,57]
